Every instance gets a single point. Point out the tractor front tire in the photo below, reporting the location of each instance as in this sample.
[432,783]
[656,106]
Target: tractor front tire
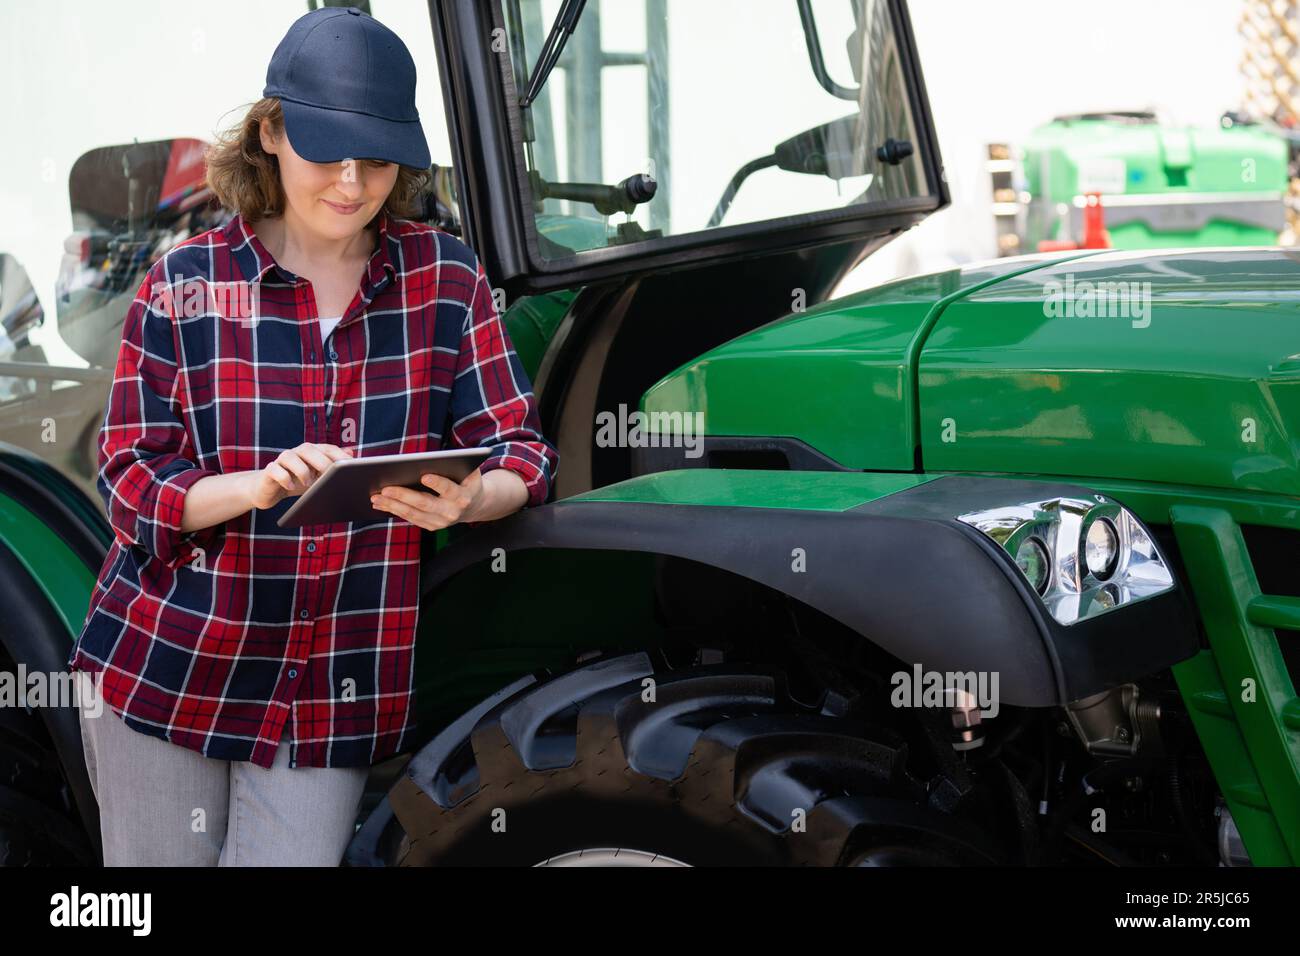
[615,763]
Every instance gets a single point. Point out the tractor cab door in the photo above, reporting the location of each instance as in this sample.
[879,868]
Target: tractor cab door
[680,132]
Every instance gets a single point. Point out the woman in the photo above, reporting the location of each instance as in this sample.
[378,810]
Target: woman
[253,673]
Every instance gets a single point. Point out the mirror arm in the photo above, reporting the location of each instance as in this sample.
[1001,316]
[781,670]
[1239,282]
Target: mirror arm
[753,166]
[815,55]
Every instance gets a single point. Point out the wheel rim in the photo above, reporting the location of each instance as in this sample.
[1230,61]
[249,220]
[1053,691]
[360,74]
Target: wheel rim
[611,856]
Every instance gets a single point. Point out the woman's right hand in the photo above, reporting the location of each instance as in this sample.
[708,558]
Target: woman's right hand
[293,472]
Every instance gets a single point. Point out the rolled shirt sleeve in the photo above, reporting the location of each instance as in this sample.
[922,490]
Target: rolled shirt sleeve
[146,458]
[492,402]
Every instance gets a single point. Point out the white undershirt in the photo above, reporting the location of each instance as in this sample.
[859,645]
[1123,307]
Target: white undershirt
[327,326]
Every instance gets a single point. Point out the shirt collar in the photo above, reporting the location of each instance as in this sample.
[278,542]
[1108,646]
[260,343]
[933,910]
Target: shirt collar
[255,260]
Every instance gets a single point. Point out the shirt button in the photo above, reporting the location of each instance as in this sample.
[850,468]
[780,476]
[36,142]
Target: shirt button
[292,674]
[303,614]
[311,545]
[333,356]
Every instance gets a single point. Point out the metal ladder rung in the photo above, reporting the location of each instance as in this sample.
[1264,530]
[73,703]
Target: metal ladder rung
[1269,611]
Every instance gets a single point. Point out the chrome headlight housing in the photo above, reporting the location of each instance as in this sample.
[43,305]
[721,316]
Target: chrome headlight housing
[1083,557]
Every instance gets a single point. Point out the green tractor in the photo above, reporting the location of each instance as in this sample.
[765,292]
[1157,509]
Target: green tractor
[1160,185]
[995,565]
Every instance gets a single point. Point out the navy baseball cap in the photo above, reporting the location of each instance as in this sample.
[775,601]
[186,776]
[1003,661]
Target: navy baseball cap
[346,85]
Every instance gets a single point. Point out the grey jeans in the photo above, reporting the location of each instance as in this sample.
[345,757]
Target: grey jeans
[165,805]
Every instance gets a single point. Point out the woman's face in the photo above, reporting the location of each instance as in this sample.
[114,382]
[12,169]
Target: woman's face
[336,200]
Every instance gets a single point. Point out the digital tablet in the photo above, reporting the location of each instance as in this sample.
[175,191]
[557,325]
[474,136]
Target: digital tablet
[343,490]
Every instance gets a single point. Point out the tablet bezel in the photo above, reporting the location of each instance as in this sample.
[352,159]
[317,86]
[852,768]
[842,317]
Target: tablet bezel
[339,466]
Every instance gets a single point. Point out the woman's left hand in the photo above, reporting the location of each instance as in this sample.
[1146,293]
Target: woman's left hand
[477,498]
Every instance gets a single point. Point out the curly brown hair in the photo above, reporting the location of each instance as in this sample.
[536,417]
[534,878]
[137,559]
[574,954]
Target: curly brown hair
[246,179]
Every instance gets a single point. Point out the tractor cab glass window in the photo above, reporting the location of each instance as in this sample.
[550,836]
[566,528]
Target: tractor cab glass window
[660,118]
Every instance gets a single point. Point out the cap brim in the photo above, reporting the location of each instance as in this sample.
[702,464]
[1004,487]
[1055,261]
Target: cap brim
[329,136]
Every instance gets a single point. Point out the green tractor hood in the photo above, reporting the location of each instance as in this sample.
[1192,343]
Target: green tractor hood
[1176,367]
[1180,368]
[839,377]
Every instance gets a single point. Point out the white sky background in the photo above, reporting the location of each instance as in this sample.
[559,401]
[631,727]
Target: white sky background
[78,75]
[995,69]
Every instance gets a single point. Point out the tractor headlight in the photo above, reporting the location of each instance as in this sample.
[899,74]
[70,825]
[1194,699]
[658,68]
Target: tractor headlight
[1032,558]
[1101,548]
[1083,557]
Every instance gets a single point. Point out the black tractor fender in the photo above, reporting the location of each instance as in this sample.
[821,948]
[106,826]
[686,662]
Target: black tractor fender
[901,571]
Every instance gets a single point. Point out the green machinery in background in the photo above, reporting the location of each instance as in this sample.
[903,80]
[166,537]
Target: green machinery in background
[1159,185]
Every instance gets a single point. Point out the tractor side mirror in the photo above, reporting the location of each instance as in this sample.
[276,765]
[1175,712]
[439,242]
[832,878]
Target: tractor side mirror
[832,149]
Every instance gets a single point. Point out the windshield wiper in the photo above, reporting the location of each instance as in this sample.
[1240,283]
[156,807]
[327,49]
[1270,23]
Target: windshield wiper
[566,21]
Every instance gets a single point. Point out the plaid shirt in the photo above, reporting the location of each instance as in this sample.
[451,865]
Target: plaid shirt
[233,639]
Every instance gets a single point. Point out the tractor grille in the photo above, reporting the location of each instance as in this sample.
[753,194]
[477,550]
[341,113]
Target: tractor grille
[1275,555]
[1245,582]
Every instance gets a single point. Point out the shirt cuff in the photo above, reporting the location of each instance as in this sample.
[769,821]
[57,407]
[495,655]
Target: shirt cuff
[525,460]
[167,542]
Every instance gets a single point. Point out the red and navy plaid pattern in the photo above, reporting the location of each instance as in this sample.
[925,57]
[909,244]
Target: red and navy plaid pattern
[236,638]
